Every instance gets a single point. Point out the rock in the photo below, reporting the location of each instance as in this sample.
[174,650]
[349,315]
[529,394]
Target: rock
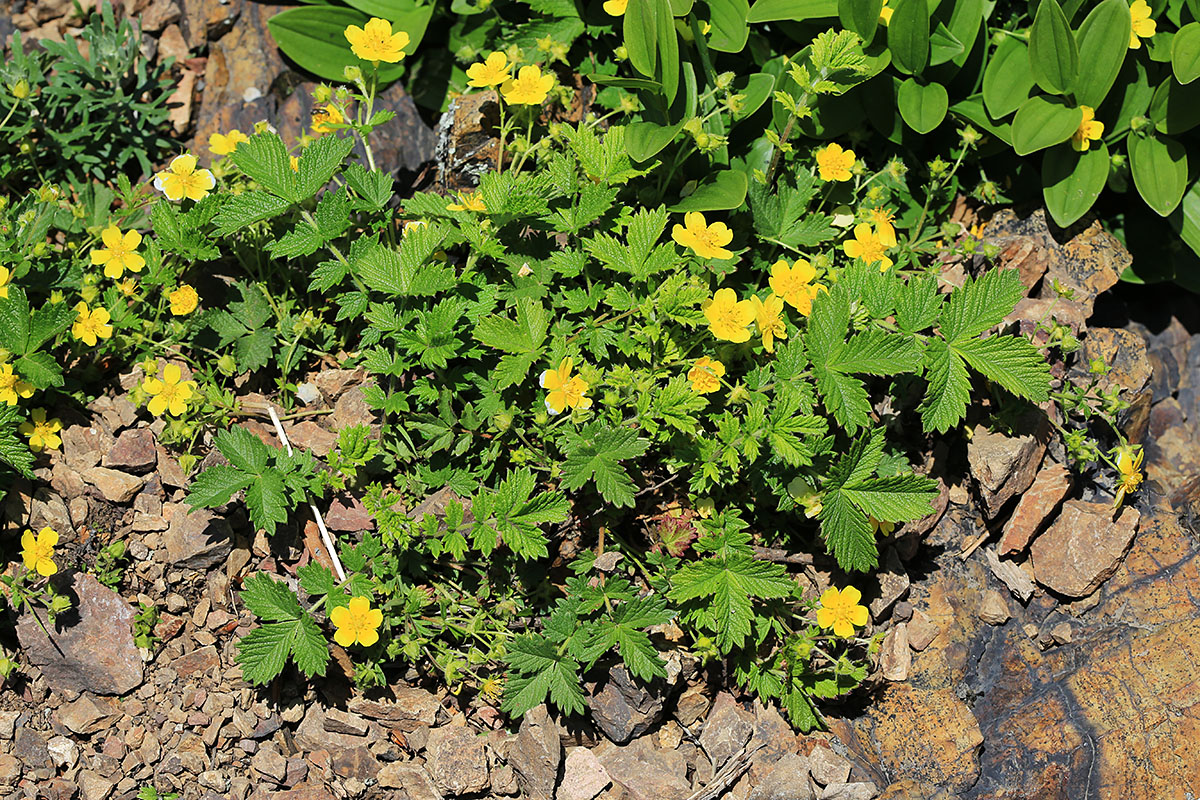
[10,769]
[726,731]
[1061,633]
[921,631]
[1035,508]
[850,791]
[827,766]
[196,539]
[171,44]
[351,409]
[338,721]
[1125,354]
[30,746]
[309,791]
[644,772]
[332,383]
[1083,547]
[88,714]
[584,776]
[692,705]
[312,735]
[199,661]
[355,762]
[307,393]
[411,778]
[895,657]
[893,584]
[407,709]
[1004,466]
[94,786]
[1012,576]
[134,451]
[536,754]
[787,780]
[91,646]
[625,708]
[994,610]
[63,752]
[84,447]
[115,486]
[457,760]
[159,14]
[348,514]
[309,435]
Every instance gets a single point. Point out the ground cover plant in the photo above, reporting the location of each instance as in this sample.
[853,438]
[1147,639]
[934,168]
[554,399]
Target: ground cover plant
[656,338]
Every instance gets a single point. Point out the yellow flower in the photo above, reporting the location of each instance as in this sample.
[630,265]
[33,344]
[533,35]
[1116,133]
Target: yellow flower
[376,42]
[492,71]
[38,553]
[491,689]
[183,300]
[127,287]
[834,163]
[119,252]
[91,325]
[182,179]
[11,386]
[729,318]
[294,163]
[882,217]
[706,375]
[885,13]
[1089,129]
[468,201]
[1143,27]
[706,241]
[768,316]
[529,88]
[169,394]
[5,277]
[42,433]
[882,527]
[324,119]
[794,284]
[840,610]
[564,391]
[1129,469]
[356,623]
[615,8]
[222,144]
[867,245]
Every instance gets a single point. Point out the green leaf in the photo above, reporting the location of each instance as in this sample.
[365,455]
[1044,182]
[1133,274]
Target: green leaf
[922,107]
[263,653]
[1043,122]
[266,500]
[1103,41]
[729,30]
[314,37]
[247,208]
[243,449]
[595,453]
[918,305]
[1175,108]
[848,533]
[316,579]
[1185,53]
[908,36]
[40,369]
[264,159]
[1072,181]
[860,16]
[1010,361]
[640,28]
[944,46]
[319,162]
[794,10]
[407,273]
[47,322]
[981,303]
[216,485]
[727,585]
[14,450]
[722,190]
[1053,54]
[524,335]
[544,672]
[1160,168]
[269,599]
[1007,78]
[949,390]
[14,321]
[374,187]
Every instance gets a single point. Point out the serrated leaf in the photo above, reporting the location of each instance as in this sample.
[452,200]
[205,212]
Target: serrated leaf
[243,449]
[544,673]
[1010,361]
[981,303]
[13,450]
[269,599]
[595,454]
[216,485]
[40,369]
[264,159]
[247,208]
[524,335]
[373,186]
[318,162]
[949,389]
[47,322]
[848,533]
[266,500]
[263,653]
[316,579]
[727,586]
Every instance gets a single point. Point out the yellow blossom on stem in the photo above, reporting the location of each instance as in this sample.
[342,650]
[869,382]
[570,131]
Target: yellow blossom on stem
[705,375]
[885,13]
[883,218]
[834,163]
[1090,129]
[1142,26]
[867,246]
[768,316]
[222,144]
[1129,470]
[529,88]
[42,432]
[492,71]
[356,623]
[12,387]
[468,201]
[119,252]
[91,325]
[324,120]
[706,241]
[490,689]
[38,552]
[169,395]
[376,42]
[615,8]
[5,279]
[183,179]
[840,610]
[294,163]
[795,284]
[564,390]
[728,318]
[183,300]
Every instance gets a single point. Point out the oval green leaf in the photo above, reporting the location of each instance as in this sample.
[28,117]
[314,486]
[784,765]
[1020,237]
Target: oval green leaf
[908,36]
[793,10]
[721,191]
[1159,167]
[965,18]
[922,107]
[755,89]
[1134,94]
[1185,53]
[1008,78]
[729,28]
[944,46]
[860,16]
[972,110]
[1175,108]
[640,27]
[1103,41]
[1071,181]
[1053,54]
[314,37]
[1043,122]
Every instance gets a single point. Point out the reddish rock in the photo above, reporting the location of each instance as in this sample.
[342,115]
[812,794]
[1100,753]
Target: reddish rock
[334,382]
[645,772]
[457,760]
[895,657]
[200,660]
[584,776]
[408,706]
[115,486]
[196,539]
[1034,508]
[134,451]
[346,513]
[726,731]
[1083,547]
[1004,465]
[536,754]
[308,435]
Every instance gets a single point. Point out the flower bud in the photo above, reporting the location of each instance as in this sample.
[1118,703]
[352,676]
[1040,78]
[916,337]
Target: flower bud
[352,73]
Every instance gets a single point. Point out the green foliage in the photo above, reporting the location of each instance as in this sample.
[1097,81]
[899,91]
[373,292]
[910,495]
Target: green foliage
[286,631]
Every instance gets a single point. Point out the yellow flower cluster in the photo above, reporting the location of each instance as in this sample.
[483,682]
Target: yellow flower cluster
[870,244]
[530,87]
[182,178]
[564,390]
[706,241]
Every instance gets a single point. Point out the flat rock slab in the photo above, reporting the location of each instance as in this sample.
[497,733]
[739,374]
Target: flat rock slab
[90,647]
[1034,508]
[457,760]
[1083,547]
[196,539]
[1003,465]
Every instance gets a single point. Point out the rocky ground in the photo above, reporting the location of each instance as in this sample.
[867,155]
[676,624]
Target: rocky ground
[1038,645]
